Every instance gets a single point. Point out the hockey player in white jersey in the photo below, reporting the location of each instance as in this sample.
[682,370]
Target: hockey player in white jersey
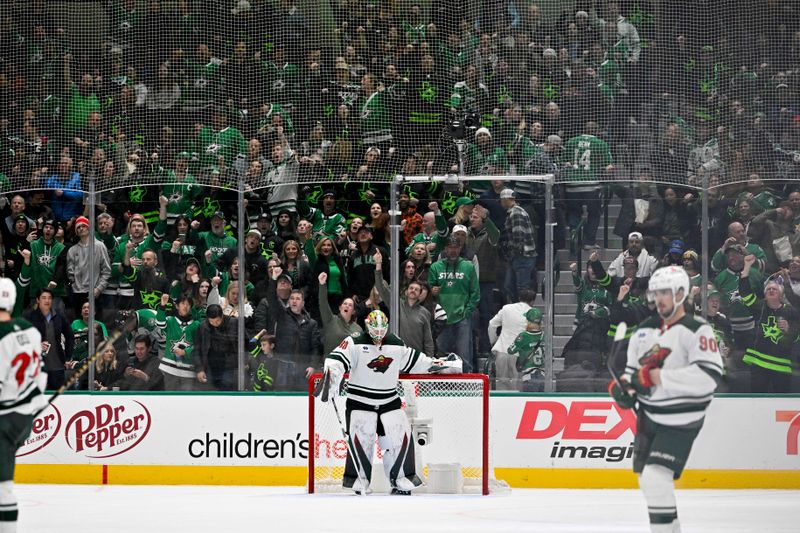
[22,383]
[375,359]
[673,368]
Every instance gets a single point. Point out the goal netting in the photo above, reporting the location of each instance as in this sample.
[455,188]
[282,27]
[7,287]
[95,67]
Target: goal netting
[450,427]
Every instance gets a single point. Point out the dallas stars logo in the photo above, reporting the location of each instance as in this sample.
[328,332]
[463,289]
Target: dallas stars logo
[428,92]
[208,208]
[771,330]
[150,299]
[137,194]
[262,376]
[362,193]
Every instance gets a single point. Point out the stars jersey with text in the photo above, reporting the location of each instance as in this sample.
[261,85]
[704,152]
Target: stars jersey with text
[691,368]
[374,370]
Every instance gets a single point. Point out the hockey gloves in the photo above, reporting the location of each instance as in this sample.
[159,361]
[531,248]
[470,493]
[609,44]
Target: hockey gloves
[641,381]
[452,364]
[625,399]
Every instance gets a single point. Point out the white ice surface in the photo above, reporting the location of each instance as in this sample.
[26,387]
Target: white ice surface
[155,509]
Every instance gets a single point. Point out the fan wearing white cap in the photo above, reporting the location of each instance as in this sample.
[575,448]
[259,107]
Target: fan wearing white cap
[647,262]
[22,384]
[484,157]
[459,233]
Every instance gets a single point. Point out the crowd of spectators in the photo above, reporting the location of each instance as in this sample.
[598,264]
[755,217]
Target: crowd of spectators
[178,104]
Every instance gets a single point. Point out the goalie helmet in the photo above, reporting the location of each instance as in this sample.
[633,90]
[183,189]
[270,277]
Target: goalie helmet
[377,325]
[8,294]
[673,278]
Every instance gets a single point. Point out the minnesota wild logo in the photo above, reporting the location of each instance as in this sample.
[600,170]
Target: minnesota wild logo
[380,364]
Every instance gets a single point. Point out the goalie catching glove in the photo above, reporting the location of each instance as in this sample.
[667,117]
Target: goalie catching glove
[452,364]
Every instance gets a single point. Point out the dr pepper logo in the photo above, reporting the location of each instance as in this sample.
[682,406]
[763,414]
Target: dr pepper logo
[108,429]
[793,418]
[44,430]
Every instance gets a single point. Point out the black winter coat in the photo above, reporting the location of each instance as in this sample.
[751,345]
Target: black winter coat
[60,327]
[227,334]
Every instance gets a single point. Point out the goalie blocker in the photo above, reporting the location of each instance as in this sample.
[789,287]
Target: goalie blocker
[375,361]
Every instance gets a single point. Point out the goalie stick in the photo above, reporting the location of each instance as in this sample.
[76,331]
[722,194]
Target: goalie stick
[73,379]
[322,391]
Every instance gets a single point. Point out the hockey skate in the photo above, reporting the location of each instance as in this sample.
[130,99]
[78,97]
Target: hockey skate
[403,487]
[358,489]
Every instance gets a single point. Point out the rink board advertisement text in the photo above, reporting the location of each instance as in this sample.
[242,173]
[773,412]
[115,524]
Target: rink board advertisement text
[536,441]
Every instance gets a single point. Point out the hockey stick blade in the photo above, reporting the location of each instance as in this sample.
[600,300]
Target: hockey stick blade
[619,336]
[323,387]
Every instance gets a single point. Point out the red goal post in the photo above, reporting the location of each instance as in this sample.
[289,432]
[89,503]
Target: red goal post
[452,411]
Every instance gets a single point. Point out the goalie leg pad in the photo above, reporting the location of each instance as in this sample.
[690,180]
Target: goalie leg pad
[398,451]
[361,426]
[658,486]
[8,508]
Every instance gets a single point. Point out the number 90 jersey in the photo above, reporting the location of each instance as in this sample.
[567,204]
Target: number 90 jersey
[22,379]
[374,370]
[691,369]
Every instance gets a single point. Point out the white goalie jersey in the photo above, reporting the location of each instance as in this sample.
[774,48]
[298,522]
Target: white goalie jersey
[23,380]
[374,370]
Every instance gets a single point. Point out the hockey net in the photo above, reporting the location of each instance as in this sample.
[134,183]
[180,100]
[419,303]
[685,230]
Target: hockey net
[449,415]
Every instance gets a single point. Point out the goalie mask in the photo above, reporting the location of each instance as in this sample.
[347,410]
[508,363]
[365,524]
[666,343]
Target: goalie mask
[672,278]
[377,325]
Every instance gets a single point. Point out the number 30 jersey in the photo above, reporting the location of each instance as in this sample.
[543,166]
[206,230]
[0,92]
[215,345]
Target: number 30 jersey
[690,373]
[22,380]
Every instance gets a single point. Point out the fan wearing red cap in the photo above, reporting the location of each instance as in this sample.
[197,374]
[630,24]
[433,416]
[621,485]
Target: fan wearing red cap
[78,266]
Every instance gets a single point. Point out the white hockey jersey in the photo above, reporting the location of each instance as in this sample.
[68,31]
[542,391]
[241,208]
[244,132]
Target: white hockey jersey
[374,370]
[22,379]
[690,373]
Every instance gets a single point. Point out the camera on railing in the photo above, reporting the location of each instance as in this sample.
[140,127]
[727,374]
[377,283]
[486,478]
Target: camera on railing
[422,431]
[460,127]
